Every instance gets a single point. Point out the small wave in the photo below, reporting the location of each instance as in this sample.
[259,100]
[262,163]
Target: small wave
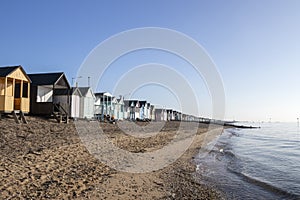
[267,186]
[255,164]
[233,132]
[229,153]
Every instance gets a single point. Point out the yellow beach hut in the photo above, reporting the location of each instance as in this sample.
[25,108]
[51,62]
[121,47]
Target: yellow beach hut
[14,90]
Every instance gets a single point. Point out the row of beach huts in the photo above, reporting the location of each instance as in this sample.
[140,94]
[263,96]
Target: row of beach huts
[50,94]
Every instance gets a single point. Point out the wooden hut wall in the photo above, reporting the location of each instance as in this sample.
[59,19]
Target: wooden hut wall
[63,101]
[14,91]
[38,104]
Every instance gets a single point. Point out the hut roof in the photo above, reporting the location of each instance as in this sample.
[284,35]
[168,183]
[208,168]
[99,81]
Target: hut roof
[142,103]
[131,103]
[71,91]
[5,71]
[47,78]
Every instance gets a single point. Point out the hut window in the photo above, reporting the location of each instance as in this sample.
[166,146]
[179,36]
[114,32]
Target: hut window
[2,87]
[9,88]
[44,94]
[17,90]
[25,90]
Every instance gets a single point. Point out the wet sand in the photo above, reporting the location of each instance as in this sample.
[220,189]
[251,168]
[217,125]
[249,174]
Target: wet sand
[47,160]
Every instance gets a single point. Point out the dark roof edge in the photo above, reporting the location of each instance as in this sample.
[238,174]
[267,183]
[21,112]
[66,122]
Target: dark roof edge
[18,67]
[61,76]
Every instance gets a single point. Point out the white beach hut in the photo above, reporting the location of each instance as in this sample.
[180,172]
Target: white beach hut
[118,107]
[103,105]
[87,101]
[160,114]
[121,108]
[143,109]
[148,111]
[152,112]
[132,109]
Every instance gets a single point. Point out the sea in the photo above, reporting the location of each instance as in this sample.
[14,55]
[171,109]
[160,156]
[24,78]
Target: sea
[261,163]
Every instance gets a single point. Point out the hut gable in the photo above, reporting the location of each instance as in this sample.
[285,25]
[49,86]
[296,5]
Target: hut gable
[19,74]
[62,82]
[121,100]
[86,92]
[76,91]
[114,100]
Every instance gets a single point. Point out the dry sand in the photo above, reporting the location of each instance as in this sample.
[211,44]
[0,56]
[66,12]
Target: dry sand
[47,160]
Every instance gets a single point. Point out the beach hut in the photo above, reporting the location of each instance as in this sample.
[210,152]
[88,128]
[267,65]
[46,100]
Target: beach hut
[43,99]
[74,96]
[183,117]
[14,90]
[152,112]
[178,116]
[133,107]
[75,99]
[126,110]
[114,104]
[175,115]
[129,110]
[169,114]
[135,104]
[121,108]
[148,111]
[143,109]
[160,114]
[103,105]
[87,103]
[118,107]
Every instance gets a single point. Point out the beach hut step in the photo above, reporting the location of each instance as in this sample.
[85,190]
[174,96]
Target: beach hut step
[19,119]
[22,116]
[60,118]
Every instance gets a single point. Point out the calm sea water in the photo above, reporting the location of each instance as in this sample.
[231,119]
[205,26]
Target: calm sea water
[255,163]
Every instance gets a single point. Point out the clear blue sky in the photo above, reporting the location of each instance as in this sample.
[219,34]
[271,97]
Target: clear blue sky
[254,43]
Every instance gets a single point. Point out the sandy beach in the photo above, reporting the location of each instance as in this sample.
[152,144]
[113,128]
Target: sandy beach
[47,160]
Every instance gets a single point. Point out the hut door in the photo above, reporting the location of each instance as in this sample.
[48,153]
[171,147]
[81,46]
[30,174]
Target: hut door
[17,96]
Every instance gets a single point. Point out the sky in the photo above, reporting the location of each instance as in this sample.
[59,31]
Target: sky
[254,44]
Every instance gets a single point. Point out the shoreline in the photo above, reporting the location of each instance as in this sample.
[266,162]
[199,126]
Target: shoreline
[45,159]
[185,169]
